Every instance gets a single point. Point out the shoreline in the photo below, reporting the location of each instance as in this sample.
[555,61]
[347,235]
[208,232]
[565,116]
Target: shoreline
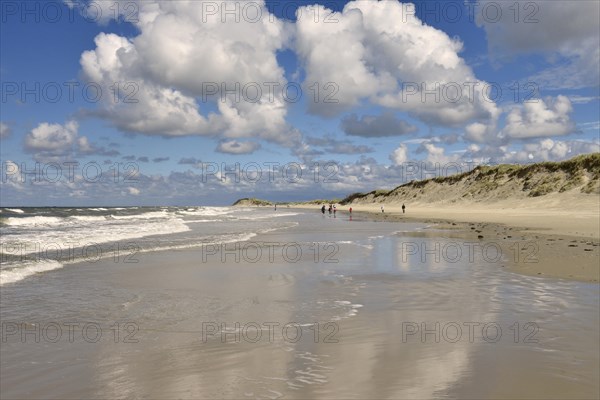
[540,246]
[189,323]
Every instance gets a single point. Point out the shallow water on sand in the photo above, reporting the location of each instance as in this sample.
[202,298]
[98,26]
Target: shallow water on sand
[361,311]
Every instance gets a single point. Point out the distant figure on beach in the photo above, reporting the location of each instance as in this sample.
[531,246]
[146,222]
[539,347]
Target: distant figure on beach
[403,208]
[350,210]
[330,208]
[334,209]
[382,209]
[323,209]
[275,207]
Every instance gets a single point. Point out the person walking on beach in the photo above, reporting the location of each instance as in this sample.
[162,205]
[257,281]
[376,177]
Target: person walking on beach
[323,209]
[334,210]
[330,208]
[275,207]
[403,208]
[382,209]
[350,210]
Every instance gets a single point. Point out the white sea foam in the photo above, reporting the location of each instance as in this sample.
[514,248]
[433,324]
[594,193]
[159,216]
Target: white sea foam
[15,210]
[87,218]
[205,211]
[33,221]
[366,246]
[343,302]
[350,309]
[88,232]
[147,215]
[27,269]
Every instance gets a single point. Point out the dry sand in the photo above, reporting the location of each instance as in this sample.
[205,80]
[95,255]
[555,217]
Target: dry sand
[557,235]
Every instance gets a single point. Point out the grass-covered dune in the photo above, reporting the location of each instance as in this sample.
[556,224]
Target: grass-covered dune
[579,175]
[252,202]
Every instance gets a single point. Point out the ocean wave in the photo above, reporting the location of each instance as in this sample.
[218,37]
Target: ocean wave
[82,234]
[87,218]
[33,221]
[11,275]
[15,210]
[205,211]
[147,215]
[43,242]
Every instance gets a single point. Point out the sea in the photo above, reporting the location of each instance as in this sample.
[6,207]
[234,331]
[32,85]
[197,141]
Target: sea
[39,239]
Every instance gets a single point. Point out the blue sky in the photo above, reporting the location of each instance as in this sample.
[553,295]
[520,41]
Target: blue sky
[69,69]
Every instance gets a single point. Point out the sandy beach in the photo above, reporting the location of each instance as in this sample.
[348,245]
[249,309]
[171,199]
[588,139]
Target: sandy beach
[346,199]
[553,237]
[325,307]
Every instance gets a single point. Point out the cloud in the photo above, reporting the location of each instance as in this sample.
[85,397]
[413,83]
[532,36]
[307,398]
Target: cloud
[436,154]
[143,159]
[84,147]
[540,119]
[166,91]
[305,151]
[189,161]
[236,147]
[589,126]
[52,139]
[400,155]
[11,176]
[348,148]
[536,151]
[129,158]
[160,159]
[576,99]
[382,125]
[365,174]
[478,132]
[4,130]
[377,52]
[569,35]
[332,145]
[449,138]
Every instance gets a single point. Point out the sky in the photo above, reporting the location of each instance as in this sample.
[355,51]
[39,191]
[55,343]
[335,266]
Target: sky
[144,102]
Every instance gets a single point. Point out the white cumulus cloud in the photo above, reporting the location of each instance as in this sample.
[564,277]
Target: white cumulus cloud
[400,155]
[183,59]
[55,139]
[379,52]
[540,118]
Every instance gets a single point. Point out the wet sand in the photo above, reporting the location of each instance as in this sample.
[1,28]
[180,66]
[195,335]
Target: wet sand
[397,315]
[548,242]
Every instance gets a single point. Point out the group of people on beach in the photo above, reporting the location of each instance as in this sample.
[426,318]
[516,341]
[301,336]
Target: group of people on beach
[333,209]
